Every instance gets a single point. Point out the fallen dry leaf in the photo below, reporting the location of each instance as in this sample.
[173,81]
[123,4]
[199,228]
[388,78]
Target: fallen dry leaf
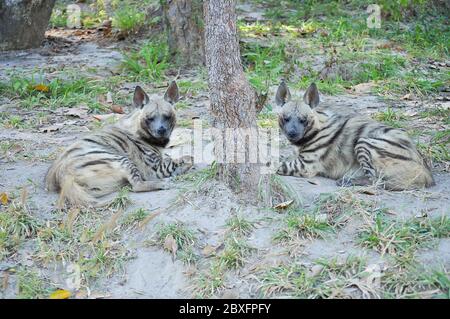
[367,191]
[4,198]
[23,196]
[41,88]
[363,88]
[315,270]
[60,294]
[117,109]
[208,250]
[5,281]
[15,149]
[283,205]
[406,96]
[170,244]
[147,219]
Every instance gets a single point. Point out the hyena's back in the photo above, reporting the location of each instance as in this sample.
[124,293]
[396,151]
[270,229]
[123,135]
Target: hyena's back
[91,168]
[392,155]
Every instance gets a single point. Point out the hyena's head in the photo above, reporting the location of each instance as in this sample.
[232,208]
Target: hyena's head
[296,117]
[156,115]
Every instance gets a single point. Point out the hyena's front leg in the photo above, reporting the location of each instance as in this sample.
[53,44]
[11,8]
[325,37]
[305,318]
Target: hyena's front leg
[364,158]
[137,181]
[297,168]
[169,167]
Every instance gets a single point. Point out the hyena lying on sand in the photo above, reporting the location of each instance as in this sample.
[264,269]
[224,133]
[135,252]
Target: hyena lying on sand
[352,148]
[128,152]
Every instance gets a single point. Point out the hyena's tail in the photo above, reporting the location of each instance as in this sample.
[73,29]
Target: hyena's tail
[75,194]
[62,180]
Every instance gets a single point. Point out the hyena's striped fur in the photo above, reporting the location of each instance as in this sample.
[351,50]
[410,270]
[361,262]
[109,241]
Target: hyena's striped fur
[352,148]
[128,152]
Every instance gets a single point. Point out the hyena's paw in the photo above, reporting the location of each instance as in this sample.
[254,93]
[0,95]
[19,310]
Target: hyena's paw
[184,164]
[148,186]
[283,169]
[357,181]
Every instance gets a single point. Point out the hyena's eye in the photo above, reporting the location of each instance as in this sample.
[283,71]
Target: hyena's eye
[287,118]
[167,117]
[150,119]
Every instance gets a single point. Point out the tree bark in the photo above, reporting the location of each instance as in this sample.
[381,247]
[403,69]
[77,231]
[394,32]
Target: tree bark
[233,100]
[23,23]
[184,26]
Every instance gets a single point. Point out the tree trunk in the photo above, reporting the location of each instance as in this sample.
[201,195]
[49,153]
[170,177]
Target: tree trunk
[184,26]
[233,100]
[23,23]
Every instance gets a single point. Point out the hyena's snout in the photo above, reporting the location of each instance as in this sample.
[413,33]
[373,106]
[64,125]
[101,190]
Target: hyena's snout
[161,131]
[293,130]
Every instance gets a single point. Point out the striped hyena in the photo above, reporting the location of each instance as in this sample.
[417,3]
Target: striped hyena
[352,148]
[125,153]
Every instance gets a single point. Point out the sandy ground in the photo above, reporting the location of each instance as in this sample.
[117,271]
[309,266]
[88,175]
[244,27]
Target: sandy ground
[152,272]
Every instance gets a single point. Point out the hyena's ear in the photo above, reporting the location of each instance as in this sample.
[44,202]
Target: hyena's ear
[283,95]
[172,94]
[311,96]
[140,98]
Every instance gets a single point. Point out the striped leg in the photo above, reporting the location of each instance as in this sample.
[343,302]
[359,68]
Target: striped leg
[137,182]
[297,168]
[364,158]
[168,167]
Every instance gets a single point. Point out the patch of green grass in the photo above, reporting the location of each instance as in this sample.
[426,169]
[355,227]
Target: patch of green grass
[6,146]
[440,279]
[415,82]
[340,206]
[148,63]
[267,119]
[58,19]
[191,86]
[128,19]
[234,253]
[13,121]
[326,279]
[264,65]
[71,91]
[402,239]
[328,86]
[122,199]
[438,148]
[188,256]
[77,241]
[135,217]
[32,285]
[379,66]
[279,192]
[390,117]
[306,226]
[439,113]
[16,225]
[209,282]
[239,225]
[415,281]
[183,237]
[196,180]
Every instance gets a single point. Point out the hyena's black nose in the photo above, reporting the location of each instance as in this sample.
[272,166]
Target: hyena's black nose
[162,130]
[292,133]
